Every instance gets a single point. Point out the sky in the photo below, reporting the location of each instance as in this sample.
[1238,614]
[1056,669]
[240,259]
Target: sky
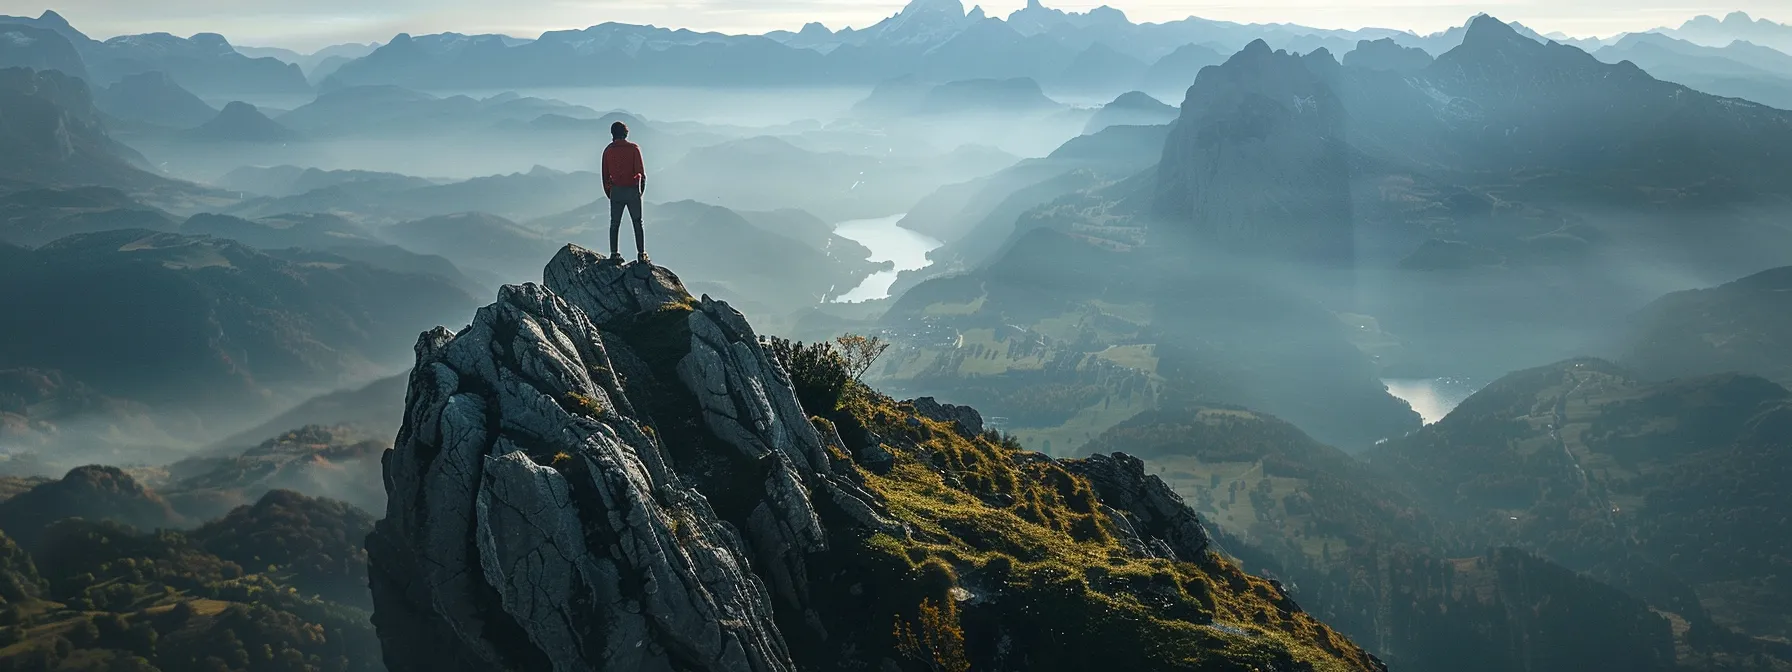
[310,24]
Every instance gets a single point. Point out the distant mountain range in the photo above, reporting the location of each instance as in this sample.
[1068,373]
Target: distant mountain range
[1737,70]
[1101,51]
[1712,31]
[154,98]
[316,65]
[205,62]
[54,134]
[205,339]
[1463,120]
[241,122]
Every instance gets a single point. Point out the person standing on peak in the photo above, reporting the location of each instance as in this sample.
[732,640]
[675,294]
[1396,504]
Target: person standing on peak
[625,180]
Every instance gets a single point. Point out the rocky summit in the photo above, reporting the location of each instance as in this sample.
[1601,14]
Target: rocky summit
[603,472]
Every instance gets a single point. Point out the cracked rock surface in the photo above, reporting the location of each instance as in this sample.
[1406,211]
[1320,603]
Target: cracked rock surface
[603,472]
[1164,525]
[535,520]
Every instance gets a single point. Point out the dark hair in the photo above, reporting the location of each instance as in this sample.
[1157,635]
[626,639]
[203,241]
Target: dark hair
[619,130]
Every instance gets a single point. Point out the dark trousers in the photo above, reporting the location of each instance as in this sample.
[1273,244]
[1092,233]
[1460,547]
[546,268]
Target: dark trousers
[629,198]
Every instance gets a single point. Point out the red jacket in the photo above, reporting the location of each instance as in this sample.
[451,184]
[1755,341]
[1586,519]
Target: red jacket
[622,165]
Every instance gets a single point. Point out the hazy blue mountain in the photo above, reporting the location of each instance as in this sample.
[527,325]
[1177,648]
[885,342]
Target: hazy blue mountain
[934,39]
[1258,162]
[975,218]
[317,64]
[986,95]
[279,181]
[43,412]
[756,173]
[241,122]
[32,217]
[1134,108]
[911,96]
[214,324]
[475,240]
[1386,54]
[54,136]
[1036,18]
[1736,26]
[204,63]
[24,46]
[374,409]
[1176,71]
[1743,326]
[1445,40]
[153,97]
[369,110]
[1320,162]
[386,257]
[1737,71]
[536,193]
[312,231]
[1100,69]
[1494,120]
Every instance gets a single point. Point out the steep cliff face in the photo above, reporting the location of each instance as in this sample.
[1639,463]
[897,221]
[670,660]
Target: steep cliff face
[1258,161]
[607,473]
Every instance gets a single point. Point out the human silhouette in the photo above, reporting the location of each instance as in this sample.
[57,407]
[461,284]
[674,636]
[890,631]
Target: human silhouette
[625,180]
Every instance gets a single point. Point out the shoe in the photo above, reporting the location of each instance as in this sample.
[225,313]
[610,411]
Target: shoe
[644,259]
[616,257]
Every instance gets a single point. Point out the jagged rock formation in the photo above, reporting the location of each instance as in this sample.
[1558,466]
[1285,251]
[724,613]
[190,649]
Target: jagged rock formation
[1386,54]
[607,473]
[1258,163]
[1151,507]
[963,418]
[668,573]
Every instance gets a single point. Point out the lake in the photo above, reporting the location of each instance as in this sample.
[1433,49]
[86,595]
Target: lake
[1433,398]
[906,249]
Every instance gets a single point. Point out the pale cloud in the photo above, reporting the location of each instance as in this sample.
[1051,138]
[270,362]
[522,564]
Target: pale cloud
[309,24]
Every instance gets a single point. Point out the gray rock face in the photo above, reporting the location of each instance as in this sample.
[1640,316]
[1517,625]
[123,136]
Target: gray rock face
[965,419]
[1156,513]
[536,520]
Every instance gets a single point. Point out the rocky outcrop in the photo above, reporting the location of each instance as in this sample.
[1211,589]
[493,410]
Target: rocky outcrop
[1163,523]
[605,473]
[535,519]
[965,419]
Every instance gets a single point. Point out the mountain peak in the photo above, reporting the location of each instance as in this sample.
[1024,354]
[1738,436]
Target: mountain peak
[597,415]
[1739,17]
[50,17]
[1486,28]
[933,7]
[242,122]
[1255,50]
